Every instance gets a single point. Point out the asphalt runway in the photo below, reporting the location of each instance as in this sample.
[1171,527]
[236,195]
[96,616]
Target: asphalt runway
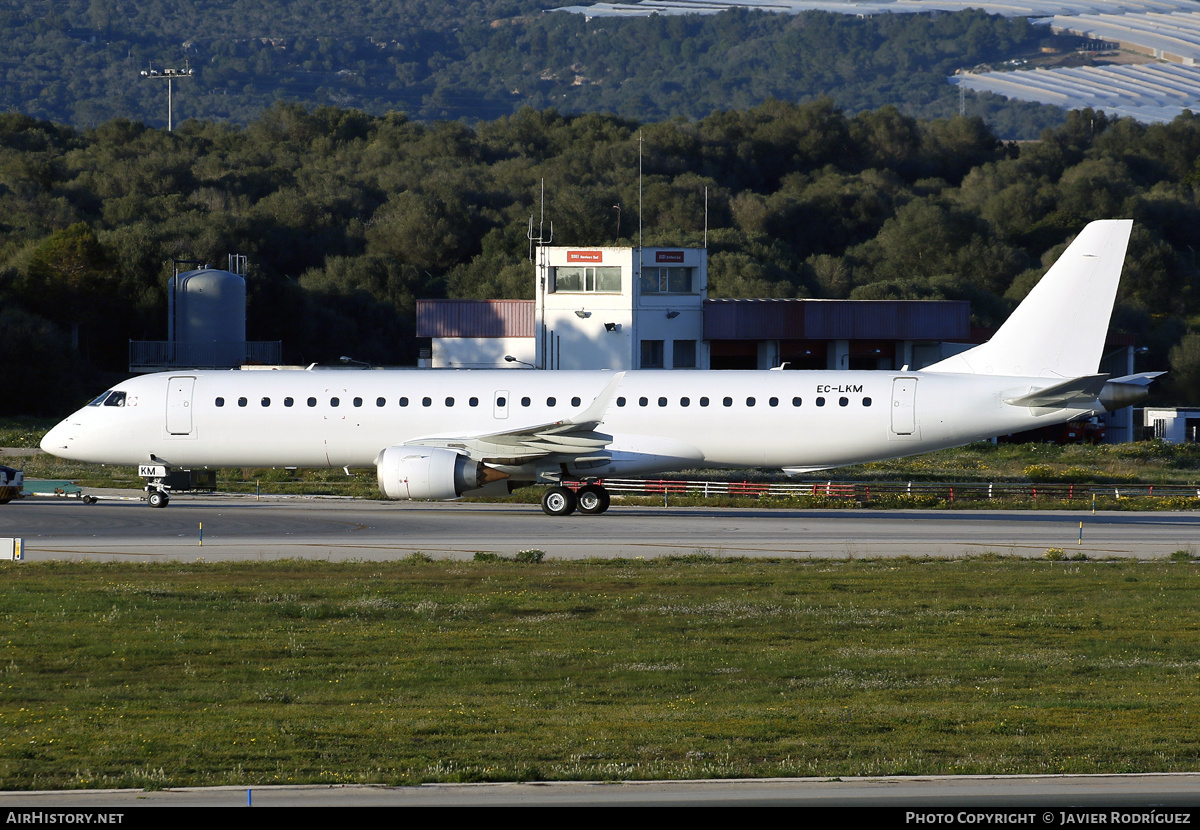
[241,527]
[1038,800]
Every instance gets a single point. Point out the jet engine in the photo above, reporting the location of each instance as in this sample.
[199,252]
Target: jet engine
[1127,391]
[430,473]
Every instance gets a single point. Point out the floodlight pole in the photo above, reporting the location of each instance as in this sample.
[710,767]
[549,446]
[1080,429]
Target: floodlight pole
[170,75]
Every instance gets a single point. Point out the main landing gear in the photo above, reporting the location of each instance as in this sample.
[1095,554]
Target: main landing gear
[590,500]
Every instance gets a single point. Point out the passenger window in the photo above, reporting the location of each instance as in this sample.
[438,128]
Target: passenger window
[312,401]
[704,401]
[266,402]
[404,401]
[749,401]
[843,401]
[684,402]
[643,401]
[474,402]
[288,401]
[241,402]
[501,401]
[449,401]
[774,402]
[866,401]
[220,401]
[575,402]
[525,401]
[335,402]
[380,401]
[426,401]
[727,401]
[358,401]
[551,401]
[796,401]
[662,401]
[620,401]
[820,401]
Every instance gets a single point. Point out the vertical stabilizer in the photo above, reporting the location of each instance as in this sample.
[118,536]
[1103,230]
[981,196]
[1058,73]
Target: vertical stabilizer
[1059,330]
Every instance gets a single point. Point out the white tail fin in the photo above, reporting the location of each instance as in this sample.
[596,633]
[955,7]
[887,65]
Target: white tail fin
[1059,330]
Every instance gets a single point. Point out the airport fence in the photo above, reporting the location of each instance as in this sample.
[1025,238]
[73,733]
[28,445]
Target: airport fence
[864,491]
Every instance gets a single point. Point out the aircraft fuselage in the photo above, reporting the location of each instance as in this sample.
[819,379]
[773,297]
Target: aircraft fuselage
[658,420]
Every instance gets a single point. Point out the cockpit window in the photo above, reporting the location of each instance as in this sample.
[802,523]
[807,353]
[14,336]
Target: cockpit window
[105,397]
[115,399]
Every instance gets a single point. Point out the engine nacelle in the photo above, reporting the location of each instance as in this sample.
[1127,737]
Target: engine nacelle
[429,473]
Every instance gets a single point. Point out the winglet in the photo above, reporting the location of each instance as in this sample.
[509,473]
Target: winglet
[594,414]
[1059,330]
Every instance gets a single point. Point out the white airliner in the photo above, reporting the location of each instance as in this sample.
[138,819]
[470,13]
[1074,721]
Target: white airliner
[440,434]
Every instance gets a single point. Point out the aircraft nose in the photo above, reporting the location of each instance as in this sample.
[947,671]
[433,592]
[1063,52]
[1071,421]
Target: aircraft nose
[55,441]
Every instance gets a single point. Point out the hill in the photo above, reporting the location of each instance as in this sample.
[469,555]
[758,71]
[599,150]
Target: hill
[78,62]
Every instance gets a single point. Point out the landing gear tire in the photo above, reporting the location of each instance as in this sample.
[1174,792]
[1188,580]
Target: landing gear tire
[593,499]
[559,501]
[159,499]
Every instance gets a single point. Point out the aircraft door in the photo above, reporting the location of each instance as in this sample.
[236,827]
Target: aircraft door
[904,406]
[500,404]
[179,405]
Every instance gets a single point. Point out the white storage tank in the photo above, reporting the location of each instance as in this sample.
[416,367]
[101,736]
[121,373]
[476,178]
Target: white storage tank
[209,317]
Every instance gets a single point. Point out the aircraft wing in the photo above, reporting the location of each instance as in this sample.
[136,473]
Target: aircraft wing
[574,436]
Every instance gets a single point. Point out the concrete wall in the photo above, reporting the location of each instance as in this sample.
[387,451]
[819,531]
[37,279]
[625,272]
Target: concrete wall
[482,352]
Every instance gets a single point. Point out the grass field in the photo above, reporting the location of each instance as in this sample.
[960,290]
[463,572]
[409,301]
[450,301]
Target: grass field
[415,670]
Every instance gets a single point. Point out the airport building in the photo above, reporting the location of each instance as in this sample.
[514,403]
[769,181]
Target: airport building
[1175,425]
[594,308]
[630,308]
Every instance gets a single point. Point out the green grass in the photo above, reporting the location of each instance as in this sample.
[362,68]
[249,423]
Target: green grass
[1148,462]
[24,432]
[120,675]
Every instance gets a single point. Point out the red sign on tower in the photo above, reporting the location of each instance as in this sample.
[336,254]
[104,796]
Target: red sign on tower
[585,256]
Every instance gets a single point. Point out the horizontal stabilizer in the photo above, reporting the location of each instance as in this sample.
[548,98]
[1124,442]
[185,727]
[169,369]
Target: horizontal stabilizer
[1140,379]
[1075,392]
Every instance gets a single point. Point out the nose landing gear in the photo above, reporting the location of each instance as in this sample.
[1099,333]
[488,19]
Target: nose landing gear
[158,492]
